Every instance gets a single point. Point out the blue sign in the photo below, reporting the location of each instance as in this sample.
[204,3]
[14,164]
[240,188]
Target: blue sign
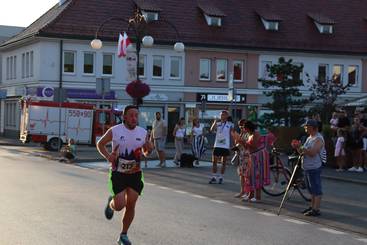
[3,93]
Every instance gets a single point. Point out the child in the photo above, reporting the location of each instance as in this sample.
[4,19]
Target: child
[340,150]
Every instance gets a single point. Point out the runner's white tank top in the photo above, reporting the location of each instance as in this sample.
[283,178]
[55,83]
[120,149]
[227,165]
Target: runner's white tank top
[222,137]
[129,150]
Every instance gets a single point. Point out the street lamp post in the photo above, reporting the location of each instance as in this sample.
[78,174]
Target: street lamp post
[138,23]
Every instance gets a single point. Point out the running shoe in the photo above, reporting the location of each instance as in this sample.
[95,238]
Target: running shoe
[312,212]
[108,211]
[124,240]
[213,180]
[307,210]
[220,181]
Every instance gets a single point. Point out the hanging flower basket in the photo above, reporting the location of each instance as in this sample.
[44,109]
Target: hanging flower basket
[137,89]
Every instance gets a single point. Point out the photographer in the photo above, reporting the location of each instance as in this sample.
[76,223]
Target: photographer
[312,162]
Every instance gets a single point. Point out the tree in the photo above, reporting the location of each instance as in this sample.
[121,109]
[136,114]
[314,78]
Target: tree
[324,94]
[283,84]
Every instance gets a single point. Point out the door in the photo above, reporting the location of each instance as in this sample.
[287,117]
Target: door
[173,117]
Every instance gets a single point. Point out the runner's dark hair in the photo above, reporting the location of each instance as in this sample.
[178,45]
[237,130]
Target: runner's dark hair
[129,107]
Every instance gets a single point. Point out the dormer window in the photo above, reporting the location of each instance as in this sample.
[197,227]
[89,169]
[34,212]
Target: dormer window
[324,24]
[212,14]
[270,25]
[213,20]
[150,15]
[270,20]
[324,29]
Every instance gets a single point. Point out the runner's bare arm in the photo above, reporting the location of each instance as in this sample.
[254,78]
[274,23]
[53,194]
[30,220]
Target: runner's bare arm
[101,147]
[148,147]
[214,126]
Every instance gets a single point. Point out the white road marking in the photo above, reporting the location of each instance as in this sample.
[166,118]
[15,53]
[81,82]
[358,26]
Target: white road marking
[150,184]
[295,221]
[241,207]
[362,240]
[332,231]
[218,201]
[180,192]
[198,196]
[163,188]
[266,214]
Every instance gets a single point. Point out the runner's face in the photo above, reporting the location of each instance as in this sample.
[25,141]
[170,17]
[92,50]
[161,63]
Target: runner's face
[223,116]
[131,118]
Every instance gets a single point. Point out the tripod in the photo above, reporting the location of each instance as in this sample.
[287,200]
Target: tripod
[291,181]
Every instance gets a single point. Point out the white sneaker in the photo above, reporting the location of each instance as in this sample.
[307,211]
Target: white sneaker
[352,169]
[359,170]
[245,198]
[253,199]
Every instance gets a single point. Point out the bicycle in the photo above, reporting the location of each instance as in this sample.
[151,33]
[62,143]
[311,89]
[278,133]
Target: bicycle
[280,175]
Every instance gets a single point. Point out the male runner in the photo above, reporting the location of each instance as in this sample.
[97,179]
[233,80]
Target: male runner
[223,130]
[129,141]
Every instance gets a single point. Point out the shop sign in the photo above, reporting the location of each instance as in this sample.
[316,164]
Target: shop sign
[240,98]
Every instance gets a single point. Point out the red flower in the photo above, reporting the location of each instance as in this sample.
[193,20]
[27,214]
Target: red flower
[137,89]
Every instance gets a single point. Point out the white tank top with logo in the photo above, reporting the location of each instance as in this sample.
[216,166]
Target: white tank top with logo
[129,144]
[222,137]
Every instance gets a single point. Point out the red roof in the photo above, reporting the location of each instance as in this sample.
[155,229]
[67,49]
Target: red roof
[241,27]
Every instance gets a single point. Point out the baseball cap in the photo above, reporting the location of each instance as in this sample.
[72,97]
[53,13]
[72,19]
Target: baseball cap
[311,122]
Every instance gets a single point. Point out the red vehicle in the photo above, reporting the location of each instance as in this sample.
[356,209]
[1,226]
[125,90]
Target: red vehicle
[48,122]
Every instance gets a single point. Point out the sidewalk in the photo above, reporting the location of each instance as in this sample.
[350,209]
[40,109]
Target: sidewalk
[90,154]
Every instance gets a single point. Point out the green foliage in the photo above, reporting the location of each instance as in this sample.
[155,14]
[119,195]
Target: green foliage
[283,86]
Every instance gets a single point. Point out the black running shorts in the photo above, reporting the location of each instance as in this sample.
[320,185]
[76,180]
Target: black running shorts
[118,182]
[220,152]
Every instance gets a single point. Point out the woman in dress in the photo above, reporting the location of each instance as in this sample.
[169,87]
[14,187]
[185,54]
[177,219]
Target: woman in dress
[197,140]
[179,134]
[256,174]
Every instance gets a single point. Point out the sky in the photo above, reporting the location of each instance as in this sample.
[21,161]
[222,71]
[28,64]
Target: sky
[23,12]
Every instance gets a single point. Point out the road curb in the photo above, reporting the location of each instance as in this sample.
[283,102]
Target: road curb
[360,182]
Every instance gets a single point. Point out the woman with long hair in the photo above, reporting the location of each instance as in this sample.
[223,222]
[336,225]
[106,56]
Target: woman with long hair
[197,139]
[256,174]
[179,134]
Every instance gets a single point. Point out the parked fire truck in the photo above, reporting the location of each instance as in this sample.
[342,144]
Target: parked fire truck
[48,122]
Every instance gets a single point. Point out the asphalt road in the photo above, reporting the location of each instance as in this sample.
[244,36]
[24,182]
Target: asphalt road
[46,202]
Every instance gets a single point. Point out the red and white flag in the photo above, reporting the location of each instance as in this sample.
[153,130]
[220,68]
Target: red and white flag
[124,42]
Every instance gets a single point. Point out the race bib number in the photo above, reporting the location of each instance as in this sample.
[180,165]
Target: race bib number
[221,139]
[127,166]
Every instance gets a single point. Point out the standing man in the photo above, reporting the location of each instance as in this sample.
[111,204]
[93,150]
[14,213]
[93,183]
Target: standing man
[158,136]
[223,130]
[129,141]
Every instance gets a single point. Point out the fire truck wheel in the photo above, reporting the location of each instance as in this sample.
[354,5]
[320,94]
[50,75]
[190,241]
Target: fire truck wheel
[53,144]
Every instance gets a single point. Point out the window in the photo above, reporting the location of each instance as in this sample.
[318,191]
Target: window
[221,70]
[15,67]
[265,65]
[205,69]
[11,68]
[338,73]
[158,66]
[31,64]
[213,21]
[10,114]
[27,64]
[69,62]
[175,68]
[323,72]
[107,64]
[88,63]
[324,29]
[150,16]
[237,70]
[270,25]
[142,65]
[298,74]
[7,68]
[353,75]
[23,65]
